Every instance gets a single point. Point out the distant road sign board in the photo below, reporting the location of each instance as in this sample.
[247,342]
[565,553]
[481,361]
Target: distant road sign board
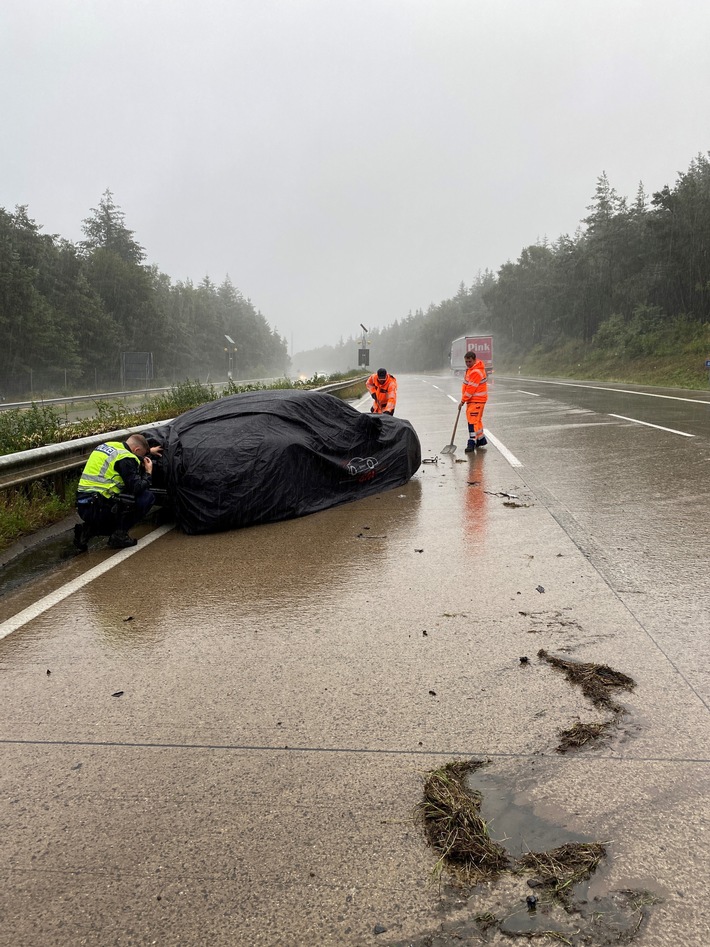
[707,362]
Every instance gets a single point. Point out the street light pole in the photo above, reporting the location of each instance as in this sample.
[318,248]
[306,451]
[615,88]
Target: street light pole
[230,355]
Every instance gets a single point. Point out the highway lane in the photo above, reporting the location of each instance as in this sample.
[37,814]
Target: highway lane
[627,473]
[279,698]
[659,407]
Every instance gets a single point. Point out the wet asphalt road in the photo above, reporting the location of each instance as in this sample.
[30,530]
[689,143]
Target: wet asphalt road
[280,701]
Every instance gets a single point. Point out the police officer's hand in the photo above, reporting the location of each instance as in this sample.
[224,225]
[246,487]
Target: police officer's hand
[156,451]
[148,464]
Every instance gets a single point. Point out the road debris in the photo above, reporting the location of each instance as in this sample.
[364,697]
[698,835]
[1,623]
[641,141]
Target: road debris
[450,813]
[596,681]
[563,867]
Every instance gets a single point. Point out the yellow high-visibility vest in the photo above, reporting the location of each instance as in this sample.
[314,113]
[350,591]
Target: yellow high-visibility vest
[100,474]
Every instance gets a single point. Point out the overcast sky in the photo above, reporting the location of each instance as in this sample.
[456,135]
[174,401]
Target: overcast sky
[344,161]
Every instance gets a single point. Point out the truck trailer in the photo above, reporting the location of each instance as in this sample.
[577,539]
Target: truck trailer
[482,345]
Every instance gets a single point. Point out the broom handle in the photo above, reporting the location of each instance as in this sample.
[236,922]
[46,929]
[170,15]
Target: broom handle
[458,415]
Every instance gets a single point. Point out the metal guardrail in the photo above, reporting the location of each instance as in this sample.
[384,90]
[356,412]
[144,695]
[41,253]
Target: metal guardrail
[76,399]
[72,399]
[57,460]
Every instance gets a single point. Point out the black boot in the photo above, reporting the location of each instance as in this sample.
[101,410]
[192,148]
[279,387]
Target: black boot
[120,540]
[82,534]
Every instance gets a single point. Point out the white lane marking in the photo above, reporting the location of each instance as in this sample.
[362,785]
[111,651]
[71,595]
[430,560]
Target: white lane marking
[44,604]
[647,424]
[531,393]
[509,456]
[623,391]
[506,404]
[455,400]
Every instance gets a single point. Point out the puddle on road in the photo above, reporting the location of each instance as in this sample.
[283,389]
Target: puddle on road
[516,826]
[544,882]
[37,562]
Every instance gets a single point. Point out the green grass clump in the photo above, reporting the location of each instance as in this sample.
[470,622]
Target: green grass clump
[32,427]
[451,815]
[25,511]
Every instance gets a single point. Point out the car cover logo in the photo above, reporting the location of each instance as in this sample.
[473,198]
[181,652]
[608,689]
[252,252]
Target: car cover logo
[361,467]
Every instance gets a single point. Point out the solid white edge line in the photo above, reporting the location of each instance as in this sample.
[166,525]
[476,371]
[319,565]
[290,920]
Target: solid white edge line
[531,393]
[623,391]
[44,604]
[648,424]
[509,455]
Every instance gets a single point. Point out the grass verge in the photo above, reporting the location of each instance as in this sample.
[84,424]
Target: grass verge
[25,511]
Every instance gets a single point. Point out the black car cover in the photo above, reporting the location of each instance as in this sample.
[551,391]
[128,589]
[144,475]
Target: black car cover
[272,455]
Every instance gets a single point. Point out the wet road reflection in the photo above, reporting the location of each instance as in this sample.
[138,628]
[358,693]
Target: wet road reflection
[282,688]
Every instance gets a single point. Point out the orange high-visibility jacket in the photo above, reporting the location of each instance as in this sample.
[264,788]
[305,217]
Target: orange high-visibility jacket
[385,392]
[475,383]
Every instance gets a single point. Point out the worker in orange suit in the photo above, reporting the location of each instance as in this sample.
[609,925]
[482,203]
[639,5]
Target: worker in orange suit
[474,394]
[383,388]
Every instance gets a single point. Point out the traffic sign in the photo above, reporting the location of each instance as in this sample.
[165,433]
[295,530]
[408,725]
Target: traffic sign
[707,362]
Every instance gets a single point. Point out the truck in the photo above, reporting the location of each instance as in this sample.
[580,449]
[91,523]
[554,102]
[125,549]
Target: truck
[482,345]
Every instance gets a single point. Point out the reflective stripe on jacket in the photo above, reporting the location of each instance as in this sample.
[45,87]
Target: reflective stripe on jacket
[475,383]
[385,392]
[100,474]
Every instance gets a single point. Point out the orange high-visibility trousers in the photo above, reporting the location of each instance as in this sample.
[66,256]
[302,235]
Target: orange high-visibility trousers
[474,416]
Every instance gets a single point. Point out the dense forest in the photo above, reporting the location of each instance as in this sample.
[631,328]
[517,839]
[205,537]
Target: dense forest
[68,313]
[634,276]
[634,279]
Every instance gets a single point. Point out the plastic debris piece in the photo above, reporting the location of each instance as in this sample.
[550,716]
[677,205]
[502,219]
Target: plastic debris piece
[539,588]
[117,694]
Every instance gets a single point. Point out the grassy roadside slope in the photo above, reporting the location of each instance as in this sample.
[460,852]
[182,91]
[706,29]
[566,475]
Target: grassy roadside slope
[669,358]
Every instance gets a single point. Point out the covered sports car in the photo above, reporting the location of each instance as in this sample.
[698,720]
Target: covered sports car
[272,455]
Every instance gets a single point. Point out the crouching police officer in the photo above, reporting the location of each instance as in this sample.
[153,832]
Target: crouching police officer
[114,491]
